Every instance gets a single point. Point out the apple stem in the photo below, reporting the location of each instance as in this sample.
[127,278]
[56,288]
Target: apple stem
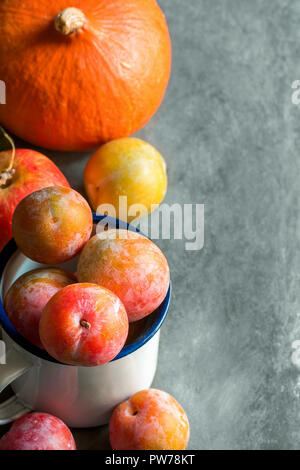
[85,324]
[8,173]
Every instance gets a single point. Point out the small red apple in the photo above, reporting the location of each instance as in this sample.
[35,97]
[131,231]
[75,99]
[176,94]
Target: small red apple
[31,171]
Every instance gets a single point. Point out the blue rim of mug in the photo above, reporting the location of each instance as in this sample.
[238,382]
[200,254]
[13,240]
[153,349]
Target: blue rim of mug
[8,327]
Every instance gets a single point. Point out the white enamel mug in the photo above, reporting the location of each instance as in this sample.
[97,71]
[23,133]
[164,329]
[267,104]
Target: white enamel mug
[80,396]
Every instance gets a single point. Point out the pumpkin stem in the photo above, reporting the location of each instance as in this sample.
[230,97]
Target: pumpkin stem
[8,172]
[69,21]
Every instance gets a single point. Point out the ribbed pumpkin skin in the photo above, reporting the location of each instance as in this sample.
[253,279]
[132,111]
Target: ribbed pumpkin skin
[73,92]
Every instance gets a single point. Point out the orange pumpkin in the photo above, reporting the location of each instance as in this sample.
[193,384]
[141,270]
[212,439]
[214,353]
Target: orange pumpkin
[79,76]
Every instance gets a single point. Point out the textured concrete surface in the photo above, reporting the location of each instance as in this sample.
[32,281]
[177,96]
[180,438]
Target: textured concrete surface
[230,135]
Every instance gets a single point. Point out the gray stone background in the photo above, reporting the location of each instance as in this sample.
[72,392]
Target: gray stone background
[230,135]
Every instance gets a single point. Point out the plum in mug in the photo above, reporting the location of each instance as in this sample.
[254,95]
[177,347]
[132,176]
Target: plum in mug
[80,396]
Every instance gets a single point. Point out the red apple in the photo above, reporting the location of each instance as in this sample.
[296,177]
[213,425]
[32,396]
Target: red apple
[32,171]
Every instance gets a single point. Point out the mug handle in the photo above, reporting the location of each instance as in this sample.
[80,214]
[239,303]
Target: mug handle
[15,366]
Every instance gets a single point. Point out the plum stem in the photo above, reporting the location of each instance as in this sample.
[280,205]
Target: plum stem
[85,324]
[69,21]
[8,172]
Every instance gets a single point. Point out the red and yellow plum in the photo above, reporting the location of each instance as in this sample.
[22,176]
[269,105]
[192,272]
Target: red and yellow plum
[52,225]
[128,264]
[27,297]
[38,431]
[84,325]
[149,420]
